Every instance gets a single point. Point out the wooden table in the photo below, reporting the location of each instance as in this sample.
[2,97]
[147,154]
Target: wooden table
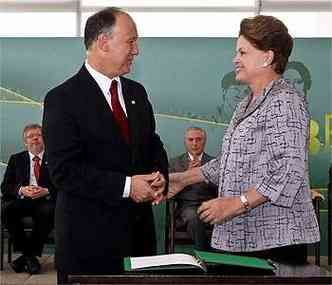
[284,274]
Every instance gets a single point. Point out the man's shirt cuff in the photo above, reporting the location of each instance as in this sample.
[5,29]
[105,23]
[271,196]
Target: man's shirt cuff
[126,190]
[20,195]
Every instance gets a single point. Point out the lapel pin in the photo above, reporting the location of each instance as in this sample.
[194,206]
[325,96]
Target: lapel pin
[133,102]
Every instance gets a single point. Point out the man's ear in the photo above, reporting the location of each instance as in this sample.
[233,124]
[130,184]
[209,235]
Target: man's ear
[102,42]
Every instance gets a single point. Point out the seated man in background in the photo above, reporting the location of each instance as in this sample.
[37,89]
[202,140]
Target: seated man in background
[191,197]
[28,192]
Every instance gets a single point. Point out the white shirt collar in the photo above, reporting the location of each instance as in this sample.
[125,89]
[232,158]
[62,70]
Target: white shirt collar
[199,157]
[40,155]
[102,80]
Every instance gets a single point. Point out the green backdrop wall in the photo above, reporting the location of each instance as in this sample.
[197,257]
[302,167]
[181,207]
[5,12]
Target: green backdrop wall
[184,79]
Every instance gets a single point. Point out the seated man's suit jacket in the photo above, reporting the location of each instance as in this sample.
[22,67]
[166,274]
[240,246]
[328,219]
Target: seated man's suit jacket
[195,194]
[18,175]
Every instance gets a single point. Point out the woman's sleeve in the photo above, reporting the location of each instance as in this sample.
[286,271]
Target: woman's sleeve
[287,136]
[211,170]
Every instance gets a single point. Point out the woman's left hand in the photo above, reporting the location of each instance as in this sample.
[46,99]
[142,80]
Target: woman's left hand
[218,210]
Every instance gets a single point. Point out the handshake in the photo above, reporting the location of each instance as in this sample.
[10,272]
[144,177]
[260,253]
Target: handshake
[148,188]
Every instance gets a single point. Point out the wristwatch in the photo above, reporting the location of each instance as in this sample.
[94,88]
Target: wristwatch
[245,202]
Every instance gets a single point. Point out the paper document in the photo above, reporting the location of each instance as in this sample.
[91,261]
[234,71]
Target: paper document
[164,259]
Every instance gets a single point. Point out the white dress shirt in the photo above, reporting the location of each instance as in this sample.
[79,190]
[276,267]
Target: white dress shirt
[32,176]
[104,84]
[192,158]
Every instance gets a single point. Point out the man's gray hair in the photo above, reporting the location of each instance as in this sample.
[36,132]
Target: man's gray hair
[196,129]
[102,22]
[30,127]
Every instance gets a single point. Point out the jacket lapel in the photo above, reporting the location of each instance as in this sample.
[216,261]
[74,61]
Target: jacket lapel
[184,162]
[204,159]
[93,93]
[245,111]
[26,168]
[132,113]
[43,171]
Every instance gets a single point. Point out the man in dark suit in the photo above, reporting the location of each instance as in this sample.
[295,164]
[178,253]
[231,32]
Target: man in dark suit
[104,155]
[191,197]
[28,191]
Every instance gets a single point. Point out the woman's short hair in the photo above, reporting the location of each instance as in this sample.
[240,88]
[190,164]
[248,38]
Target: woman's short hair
[268,33]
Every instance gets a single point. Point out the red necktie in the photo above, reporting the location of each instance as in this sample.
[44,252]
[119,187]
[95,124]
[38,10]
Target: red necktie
[118,112]
[36,167]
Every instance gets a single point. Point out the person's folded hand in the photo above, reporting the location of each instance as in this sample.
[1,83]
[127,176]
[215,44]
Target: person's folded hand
[39,192]
[194,163]
[27,191]
[140,189]
[158,185]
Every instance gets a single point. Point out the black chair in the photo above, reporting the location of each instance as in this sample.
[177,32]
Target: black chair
[28,224]
[5,234]
[2,241]
[329,222]
[180,236]
[317,197]
[177,235]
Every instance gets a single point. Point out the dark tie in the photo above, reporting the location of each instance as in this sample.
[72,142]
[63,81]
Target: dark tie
[36,167]
[118,112]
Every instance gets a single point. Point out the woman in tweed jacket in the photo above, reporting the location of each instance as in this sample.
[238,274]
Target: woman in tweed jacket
[264,207]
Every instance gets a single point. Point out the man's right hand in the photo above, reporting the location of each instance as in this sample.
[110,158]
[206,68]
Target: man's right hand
[194,163]
[141,189]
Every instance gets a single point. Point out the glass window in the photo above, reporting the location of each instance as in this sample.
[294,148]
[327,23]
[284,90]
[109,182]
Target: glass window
[168,3]
[164,18]
[185,24]
[306,24]
[29,24]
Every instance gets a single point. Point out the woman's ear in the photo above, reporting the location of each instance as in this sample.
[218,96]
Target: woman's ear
[269,57]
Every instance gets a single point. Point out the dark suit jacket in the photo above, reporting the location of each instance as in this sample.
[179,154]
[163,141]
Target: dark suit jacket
[89,161]
[18,174]
[194,194]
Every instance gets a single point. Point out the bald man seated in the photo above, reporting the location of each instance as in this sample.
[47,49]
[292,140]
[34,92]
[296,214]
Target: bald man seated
[190,198]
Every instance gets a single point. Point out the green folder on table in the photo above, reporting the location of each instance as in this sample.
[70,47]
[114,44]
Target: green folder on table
[202,261]
[234,260]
